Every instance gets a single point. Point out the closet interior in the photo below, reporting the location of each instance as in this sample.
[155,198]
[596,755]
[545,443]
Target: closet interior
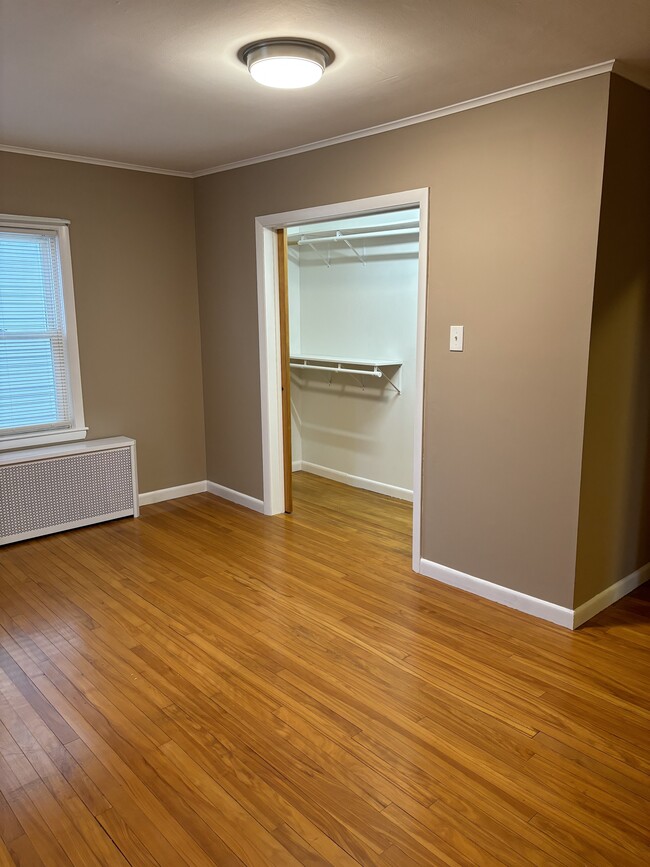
[353,296]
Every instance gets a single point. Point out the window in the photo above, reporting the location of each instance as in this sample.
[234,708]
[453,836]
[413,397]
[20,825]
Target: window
[40,384]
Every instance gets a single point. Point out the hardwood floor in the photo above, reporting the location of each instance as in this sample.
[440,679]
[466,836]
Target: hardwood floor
[209,686]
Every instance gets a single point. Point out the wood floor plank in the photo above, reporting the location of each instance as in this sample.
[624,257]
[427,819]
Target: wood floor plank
[209,686]
[47,845]
[10,827]
[135,761]
[125,840]
[5,856]
[62,827]
[143,824]
[23,853]
[597,765]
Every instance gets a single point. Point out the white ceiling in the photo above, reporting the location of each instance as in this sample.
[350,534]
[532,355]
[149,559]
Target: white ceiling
[158,83]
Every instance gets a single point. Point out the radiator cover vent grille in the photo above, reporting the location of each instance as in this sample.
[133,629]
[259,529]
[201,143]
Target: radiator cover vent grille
[42,496]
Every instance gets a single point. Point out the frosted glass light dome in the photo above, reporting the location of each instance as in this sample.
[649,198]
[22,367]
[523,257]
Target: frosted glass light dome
[286,63]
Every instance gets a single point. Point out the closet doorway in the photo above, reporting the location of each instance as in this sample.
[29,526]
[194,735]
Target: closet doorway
[341,293]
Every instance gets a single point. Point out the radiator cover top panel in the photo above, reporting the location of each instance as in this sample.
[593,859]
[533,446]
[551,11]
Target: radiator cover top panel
[65,490]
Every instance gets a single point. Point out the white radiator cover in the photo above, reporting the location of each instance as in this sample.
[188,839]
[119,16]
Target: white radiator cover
[56,488]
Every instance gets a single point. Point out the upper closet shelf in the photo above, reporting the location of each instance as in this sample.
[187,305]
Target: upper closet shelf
[344,236]
[354,366]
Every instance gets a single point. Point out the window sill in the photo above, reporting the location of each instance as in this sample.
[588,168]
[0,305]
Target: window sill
[45,438]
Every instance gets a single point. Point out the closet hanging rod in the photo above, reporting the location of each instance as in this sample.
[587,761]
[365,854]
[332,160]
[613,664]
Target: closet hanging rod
[335,369]
[351,370]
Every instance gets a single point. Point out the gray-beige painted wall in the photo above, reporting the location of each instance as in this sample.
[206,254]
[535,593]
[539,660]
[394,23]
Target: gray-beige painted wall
[134,264]
[515,192]
[614,529]
[514,251]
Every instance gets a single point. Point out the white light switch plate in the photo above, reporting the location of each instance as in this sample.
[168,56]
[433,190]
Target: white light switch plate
[456,338]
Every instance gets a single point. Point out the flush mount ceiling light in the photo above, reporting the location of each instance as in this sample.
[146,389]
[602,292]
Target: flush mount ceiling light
[287,63]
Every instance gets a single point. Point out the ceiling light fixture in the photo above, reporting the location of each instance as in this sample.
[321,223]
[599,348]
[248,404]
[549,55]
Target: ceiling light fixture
[286,63]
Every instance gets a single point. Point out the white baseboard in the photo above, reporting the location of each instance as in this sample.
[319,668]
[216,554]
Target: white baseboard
[568,617]
[610,595]
[503,595]
[354,481]
[235,497]
[172,493]
[150,497]
[296,466]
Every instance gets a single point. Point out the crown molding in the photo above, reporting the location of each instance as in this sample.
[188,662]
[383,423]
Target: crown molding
[477,102]
[93,161]
[509,93]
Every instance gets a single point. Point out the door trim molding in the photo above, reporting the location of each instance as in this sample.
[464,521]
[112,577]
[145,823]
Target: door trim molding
[269,336]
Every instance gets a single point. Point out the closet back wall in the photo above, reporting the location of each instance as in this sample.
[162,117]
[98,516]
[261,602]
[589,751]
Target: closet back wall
[359,430]
[134,267]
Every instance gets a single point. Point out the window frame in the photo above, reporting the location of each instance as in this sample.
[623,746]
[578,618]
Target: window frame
[78,429]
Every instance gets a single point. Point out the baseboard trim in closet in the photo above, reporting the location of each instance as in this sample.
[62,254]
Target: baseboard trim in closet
[235,497]
[354,481]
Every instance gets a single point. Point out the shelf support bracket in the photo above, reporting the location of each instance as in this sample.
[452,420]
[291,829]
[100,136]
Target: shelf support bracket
[388,380]
[341,237]
[318,253]
[355,378]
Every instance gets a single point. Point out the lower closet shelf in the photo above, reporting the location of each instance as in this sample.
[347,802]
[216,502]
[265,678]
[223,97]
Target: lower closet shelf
[353,366]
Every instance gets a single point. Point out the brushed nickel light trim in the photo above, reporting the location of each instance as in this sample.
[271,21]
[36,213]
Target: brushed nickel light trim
[286,63]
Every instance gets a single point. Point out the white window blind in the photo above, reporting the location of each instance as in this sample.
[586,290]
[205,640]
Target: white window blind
[35,383]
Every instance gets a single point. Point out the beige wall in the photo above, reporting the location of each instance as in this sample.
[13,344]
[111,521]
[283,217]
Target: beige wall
[614,529]
[515,194]
[134,265]
[515,209]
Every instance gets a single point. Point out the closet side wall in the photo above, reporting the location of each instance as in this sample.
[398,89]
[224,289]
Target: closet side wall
[614,526]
